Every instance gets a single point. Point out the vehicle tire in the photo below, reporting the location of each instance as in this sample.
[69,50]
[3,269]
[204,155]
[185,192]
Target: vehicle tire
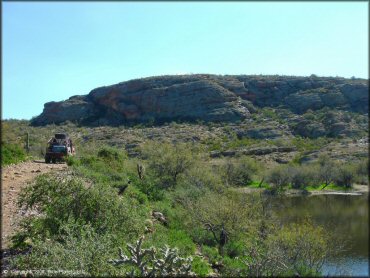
[54,160]
[47,159]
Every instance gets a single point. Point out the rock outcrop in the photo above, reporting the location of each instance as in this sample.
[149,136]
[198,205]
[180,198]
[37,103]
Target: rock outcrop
[205,98]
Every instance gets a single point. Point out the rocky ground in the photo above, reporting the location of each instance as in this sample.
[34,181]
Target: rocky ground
[13,179]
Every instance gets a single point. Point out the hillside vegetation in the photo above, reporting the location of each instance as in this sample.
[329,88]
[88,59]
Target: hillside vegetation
[169,193]
[157,187]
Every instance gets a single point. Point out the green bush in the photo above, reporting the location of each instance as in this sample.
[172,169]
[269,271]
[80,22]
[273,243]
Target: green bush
[167,162]
[233,267]
[11,154]
[110,167]
[326,170]
[216,214]
[362,172]
[344,176]
[301,247]
[110,153]
[60,200]
[235,249]
[78,249]
[211,253]
[279,177]
[201,177]
[303,176]
[149,187]
[308,144]
[200,267]
[239,172]
[71,160]
[135,194]
[173,238]
[296,249]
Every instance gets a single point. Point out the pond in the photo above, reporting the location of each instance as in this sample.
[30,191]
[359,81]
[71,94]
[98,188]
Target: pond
[347,219]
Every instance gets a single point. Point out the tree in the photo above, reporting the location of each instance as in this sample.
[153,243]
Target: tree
[226,216]
[301,247]
[279,177]
[301,176]
[326,170]
[168,162]
[344,176]
[240,172]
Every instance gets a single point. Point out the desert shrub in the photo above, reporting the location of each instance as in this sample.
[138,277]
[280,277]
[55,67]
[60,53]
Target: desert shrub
[173,237]
[214,145]
[200,267]
[185,194]
[77,249]
[201,177]
[326,170]
[235,248]
[134,193]
[279,177]
[239,172]
[344,175]
[211,253]
[236,142]
[150,187]
[225,217]
[233,267]
[110,153]
[362,172]
[302,176]
[298,249]
[71,160]
[11,154]
[269,113]
[301,247]
[60,200]
[109,167]
[309,144]
[168,162]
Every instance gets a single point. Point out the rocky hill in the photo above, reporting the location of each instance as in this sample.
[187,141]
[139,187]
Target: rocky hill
[209,98]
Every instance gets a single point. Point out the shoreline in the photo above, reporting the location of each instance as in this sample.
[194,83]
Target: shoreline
[356,190]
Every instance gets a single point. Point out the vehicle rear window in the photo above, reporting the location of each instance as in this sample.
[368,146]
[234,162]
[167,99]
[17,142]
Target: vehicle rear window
[59,149]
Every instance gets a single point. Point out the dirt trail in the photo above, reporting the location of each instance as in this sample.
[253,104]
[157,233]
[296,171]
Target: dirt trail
[13,179]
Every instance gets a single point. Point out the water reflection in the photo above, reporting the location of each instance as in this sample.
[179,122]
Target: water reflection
[345,216]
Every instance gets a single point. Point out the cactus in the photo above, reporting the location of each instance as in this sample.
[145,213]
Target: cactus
[151,263]
[140,171]
[172,264]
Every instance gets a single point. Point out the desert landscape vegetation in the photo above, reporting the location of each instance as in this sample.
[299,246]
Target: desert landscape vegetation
[184,139]
[192,175]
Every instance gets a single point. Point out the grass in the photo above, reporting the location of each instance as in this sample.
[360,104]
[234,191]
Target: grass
[256,184]
[329,187]
[12,154]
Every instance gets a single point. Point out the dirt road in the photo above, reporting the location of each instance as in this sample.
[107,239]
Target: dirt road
[13,179]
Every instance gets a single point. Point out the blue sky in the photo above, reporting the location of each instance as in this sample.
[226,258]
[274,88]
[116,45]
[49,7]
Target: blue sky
[51,51]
